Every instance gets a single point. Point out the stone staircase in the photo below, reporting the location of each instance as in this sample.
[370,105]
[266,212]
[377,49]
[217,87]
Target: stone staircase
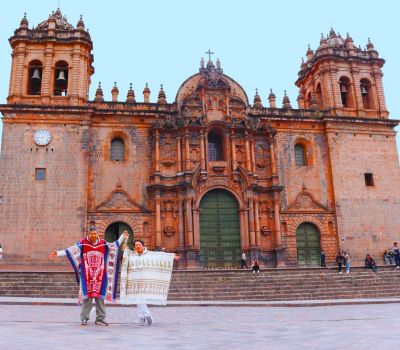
[232,285]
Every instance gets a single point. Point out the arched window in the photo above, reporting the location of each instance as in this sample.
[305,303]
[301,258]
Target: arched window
[300,155]
[214,147]
[61,78]
[117,151]
[308,100]
[345,93]
[35,77]
[366,94]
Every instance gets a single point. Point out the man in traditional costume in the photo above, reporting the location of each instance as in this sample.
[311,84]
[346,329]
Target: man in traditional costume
[95,263]
[145,279]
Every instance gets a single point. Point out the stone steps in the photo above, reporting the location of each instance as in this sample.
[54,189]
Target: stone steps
[269,285]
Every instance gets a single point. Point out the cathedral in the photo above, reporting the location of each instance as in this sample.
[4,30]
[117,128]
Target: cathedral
[208,175]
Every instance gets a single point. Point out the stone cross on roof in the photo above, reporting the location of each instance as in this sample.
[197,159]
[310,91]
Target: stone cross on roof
[209,53]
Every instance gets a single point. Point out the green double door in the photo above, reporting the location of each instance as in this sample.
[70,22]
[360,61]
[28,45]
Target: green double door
[220,245]
[308,245]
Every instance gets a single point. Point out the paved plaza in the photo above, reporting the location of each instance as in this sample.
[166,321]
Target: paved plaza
[204,327]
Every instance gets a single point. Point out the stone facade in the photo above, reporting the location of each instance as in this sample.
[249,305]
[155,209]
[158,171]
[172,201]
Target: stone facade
[331,163]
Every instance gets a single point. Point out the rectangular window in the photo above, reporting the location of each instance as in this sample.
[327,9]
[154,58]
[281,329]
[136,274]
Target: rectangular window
[40,174]
[369,179]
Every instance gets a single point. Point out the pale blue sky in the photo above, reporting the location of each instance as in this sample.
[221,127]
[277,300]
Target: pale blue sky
[259,42]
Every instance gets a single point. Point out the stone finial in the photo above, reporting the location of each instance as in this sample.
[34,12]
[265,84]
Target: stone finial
[81,24]
[348,42]
[370,45]
[218,63]
[202,63]
[99,94]
[303,64]
[24,22]
[300,101]
[257,101]
[130,97]
[115,92]
[162,99]
[146,94]
[286,102]
[272,99]
[309,53]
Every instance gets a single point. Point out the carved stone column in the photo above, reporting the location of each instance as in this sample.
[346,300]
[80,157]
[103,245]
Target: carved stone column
[244,229]
[248,160]
[181,225]
[251,223]
[196,228]
[189,223]
[179,153]
[280,258]
[157,151]
[158,221]
[272,155]
[257,223]
[253,158]
[202,151]
[233,150]
[187,150]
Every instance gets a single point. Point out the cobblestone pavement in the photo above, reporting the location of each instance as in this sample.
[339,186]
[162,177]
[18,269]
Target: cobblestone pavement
[204,327]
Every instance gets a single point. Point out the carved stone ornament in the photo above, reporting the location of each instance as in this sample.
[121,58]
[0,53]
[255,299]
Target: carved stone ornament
[265,231]
[169,231]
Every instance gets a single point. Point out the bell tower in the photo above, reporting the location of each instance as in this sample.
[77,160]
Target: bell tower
[342,78]
[51,63]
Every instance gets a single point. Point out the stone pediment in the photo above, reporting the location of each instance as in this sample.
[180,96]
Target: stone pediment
[306,202]
[120,201]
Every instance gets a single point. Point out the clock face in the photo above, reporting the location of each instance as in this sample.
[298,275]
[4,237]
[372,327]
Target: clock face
[42,138]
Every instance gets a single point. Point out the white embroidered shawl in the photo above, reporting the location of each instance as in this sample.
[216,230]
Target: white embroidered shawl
[145,278]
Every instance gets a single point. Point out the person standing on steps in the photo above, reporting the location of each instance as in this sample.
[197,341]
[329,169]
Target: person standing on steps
[323,258]
[95,263]
[346,261]
[1,253]
[145,279]
[339,261]
[396,252]
[244,263]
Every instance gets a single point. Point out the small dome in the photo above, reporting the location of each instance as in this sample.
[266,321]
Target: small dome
[130,98]
[24,22]
[61,22]
[257,101]
[334,40]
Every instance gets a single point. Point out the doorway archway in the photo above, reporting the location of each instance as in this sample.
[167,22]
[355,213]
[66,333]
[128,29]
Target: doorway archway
[308,245]
[115,230]
[220,245]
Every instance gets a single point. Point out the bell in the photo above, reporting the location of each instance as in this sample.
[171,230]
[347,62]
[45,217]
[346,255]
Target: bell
[36,74]
[343,88]
[61,76]
[364,91]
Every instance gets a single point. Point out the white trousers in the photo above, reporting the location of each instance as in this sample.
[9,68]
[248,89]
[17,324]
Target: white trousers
[143,310]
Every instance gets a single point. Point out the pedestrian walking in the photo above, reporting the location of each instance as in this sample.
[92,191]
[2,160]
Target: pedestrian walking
[244,264]
[1,252]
